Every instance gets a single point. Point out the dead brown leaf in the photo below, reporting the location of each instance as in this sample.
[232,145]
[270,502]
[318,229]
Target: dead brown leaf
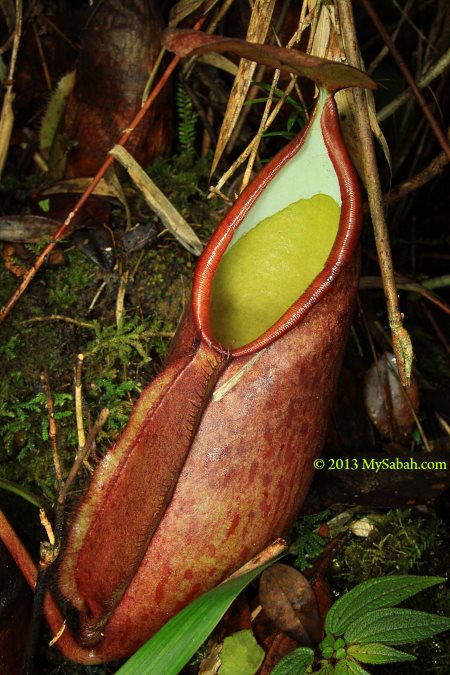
[329,74]
[391,407]
[289,601]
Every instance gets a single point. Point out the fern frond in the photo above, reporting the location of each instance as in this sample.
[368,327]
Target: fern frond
[187,120]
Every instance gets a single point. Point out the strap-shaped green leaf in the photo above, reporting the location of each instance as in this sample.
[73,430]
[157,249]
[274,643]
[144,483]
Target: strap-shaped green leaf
[376,653]
[295,663]
[395,627]
[374,594]
[173,646]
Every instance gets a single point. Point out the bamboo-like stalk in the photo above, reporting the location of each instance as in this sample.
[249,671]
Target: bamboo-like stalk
[400,337]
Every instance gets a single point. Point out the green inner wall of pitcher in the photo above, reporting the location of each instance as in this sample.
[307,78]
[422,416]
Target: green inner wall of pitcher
[268,268]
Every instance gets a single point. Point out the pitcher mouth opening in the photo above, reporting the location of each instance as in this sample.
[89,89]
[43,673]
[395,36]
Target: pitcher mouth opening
[282,245]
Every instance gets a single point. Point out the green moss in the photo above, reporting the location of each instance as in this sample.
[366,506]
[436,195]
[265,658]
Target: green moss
[119,361]
[396,547]
[65,284]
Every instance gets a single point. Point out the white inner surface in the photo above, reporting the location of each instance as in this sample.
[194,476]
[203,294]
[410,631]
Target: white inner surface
[308,173]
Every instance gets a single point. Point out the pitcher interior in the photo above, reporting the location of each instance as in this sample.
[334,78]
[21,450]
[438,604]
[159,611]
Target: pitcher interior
[281,245]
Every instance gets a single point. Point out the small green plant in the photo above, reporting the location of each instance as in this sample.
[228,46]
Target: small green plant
[364,626]
[296,120]
[118,398]
[30,420]
[119,344]
[306,543]
[187,120]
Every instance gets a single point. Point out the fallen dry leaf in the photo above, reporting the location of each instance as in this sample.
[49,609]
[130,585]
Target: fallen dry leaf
[329,74]
[289,601]
[390,406]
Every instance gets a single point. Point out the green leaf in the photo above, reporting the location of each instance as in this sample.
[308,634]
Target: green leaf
[174,645]
[24,493]
[347,667]
[395,627]
[241,654]
[377,653]
[295,663]
[326,669]
[374,594]
[44,205]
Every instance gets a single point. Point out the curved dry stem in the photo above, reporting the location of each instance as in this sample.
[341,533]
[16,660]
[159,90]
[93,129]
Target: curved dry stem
[400,338]
[432,73]
[7,114]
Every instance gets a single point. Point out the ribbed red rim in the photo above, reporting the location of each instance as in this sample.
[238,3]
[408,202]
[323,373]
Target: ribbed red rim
[343,247]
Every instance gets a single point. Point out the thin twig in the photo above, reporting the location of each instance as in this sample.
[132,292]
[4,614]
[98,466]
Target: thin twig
[259,133]
[408,77]
[79,402]
[434,168]
[437,282]
[400,337]
[96,296]
[120,299]
[436,69]
[7,115]
[58,317]
[407,285]
[52,428]
[48,554]
[47,77]
[219,16]
[437,329]
[444,424]
[384,50]
[85,196]
[75,45]
[82,455]
[245,153]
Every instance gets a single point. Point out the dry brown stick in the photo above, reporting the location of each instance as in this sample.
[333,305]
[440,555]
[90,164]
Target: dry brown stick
[79,402]
[434,168]
[82,455]
[408,77]
[7,114]
[406,285]
[384,50]
[52,427]
[434,71]
[40,49]
[58,317]
[245,153]
[58,31]
[437,329]
[85,196]
[401,340]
